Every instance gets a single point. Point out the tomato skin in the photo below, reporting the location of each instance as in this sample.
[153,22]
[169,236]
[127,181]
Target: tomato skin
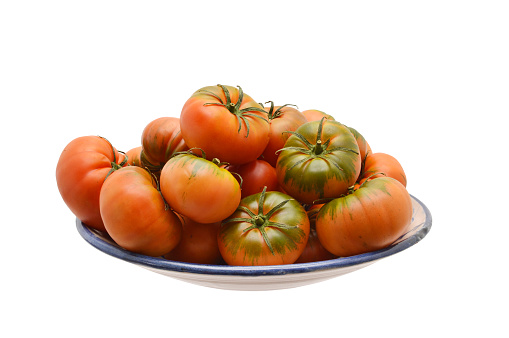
[286,119]
[364,148]
[81,170]
[316,115]
[377,163]
[314,250]
[199,189]
[256,175]
[246,247]
[198,244]
[369,219]
[160,139]
[135,215]
[133,156]
[308,176]
[207,125]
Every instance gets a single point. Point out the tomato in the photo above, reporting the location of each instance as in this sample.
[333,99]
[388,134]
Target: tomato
[133,156]
[364,148]
[200,189]
[255,176]
[160,139]
[268,228]
[135,214]
[319,161]
[282,119]
[314,250]
[226,123]
[368,219]
[381,164]
[81,170]
[198,244]
[316,115]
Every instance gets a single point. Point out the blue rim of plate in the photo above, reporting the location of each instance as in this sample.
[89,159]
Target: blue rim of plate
[94,239]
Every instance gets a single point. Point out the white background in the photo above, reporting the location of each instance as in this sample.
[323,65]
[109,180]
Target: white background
[425,81]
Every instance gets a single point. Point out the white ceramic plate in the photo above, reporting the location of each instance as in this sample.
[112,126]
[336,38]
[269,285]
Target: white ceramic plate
[262,277]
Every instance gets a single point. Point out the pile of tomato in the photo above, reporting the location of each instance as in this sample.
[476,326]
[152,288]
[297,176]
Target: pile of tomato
[232,181]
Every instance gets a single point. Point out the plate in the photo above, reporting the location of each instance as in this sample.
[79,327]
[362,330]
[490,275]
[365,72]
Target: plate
[256,278]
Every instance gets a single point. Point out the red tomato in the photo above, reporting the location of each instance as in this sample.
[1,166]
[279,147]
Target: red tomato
[198,244]
[369,219]
[226,123]
[316,115]
[135,214]
[199,189]
[282,119]
[380,164]
[268,228]
[81,170]
[133,156]
[255,176]
[314,250]
[160,139]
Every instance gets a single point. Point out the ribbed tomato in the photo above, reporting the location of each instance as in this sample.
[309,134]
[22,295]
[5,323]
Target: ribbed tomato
[320,160]
[226,123]
[200,189]
[135,214]
[160,140]
[368,219]
[81,170]
[268,228]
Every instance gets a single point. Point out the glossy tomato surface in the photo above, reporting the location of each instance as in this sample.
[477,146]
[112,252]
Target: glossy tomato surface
[135,214]
[199,189]
[226,123]
[381,164]
[268,228]
[254,176]
[371,218]
[320,160]
[81,171]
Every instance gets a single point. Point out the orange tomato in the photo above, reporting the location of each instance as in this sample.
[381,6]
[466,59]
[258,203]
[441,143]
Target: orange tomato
[135,214]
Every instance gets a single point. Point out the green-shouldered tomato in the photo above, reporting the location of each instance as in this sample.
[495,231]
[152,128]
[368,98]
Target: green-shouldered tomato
[368,219]
[320,160]
[268,228]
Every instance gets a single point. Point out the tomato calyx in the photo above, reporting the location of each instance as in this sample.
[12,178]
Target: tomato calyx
[318,150]
[234,108]
[277,113]
[260,221]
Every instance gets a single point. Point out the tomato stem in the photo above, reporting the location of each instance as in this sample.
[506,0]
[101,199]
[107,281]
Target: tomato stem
[277,113]
[318,148]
